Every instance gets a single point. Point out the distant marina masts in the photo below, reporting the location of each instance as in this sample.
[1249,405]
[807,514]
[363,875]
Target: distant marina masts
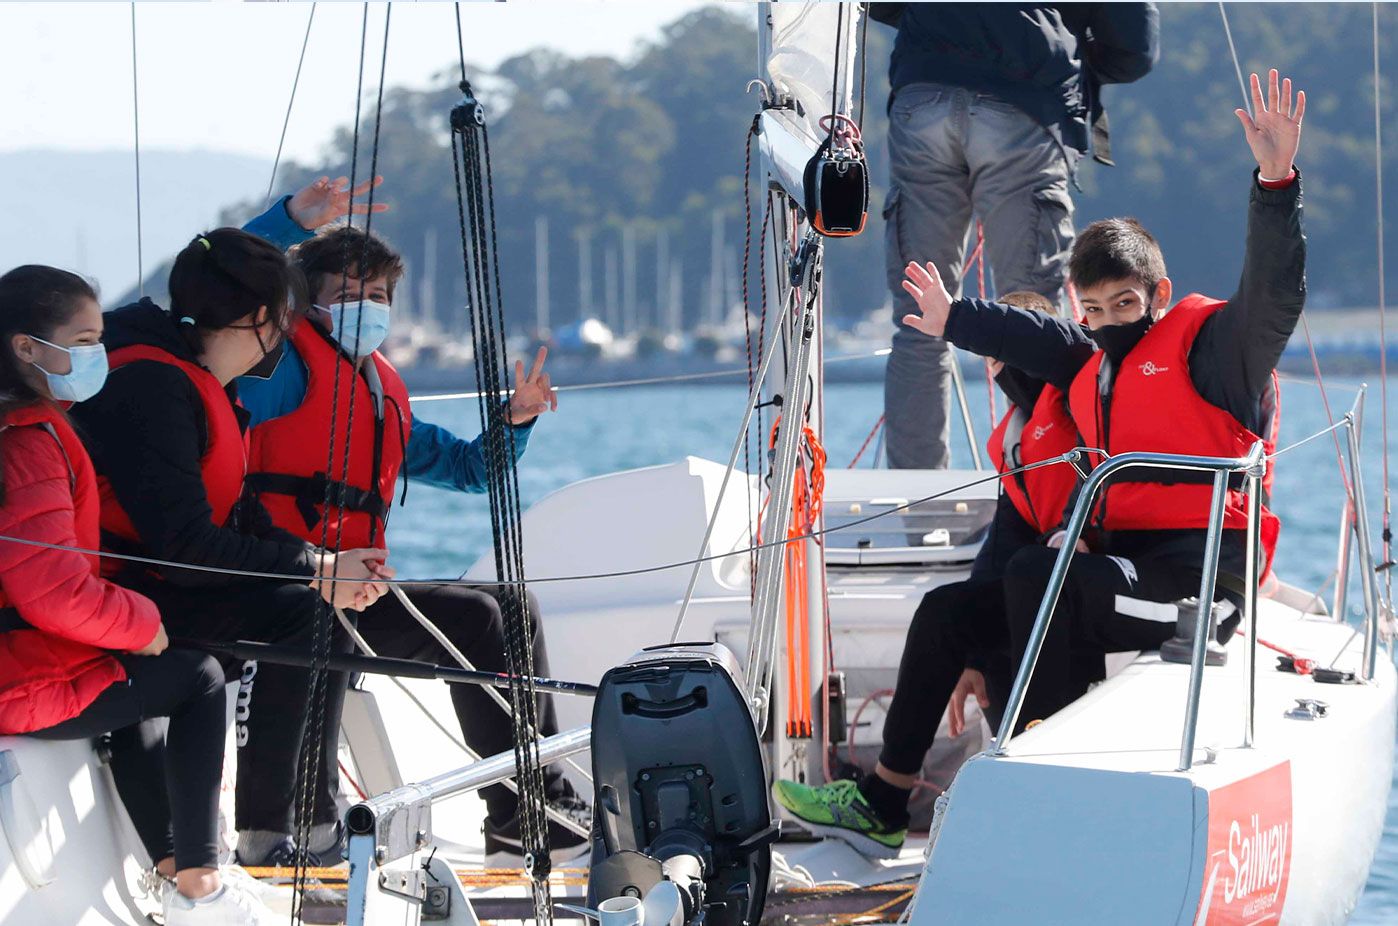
[541,274]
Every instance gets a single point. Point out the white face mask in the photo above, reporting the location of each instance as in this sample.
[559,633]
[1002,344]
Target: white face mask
[363,319]
[86,376]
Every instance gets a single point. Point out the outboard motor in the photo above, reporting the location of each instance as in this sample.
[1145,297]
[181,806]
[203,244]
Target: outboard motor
[681,790]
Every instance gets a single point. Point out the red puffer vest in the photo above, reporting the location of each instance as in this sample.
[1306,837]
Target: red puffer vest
[1039,495]
[286,466]
[1153,406]
[225,457]
[59,618]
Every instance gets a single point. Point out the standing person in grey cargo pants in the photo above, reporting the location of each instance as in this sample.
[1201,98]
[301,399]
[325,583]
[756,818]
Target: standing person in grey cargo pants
[993,106]
[954,152]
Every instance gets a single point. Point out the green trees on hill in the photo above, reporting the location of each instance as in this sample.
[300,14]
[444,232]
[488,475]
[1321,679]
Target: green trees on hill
[655,142]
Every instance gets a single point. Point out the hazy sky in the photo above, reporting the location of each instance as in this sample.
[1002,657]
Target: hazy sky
[218,75]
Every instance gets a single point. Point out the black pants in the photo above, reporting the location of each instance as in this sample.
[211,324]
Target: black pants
[985,624]
[1109,604]
[472,619]
[271,714]
[167,771]
[956,625]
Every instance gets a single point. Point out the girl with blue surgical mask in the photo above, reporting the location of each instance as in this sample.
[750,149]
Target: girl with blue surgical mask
[79,655]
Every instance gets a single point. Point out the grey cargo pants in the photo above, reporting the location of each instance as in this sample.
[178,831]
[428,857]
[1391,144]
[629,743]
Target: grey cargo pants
[953,152]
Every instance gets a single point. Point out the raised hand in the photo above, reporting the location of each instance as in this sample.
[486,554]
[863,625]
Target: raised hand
[924,283]
[534,394]
[1274,130]
[327,200]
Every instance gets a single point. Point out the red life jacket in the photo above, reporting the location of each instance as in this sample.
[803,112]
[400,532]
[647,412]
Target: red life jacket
[1153,406]
[287,461]
[1039,495]
[225,456]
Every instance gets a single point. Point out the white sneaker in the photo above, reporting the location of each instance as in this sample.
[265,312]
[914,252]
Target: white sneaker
[228,907]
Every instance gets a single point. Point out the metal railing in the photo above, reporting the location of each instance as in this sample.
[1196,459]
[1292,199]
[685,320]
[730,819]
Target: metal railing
[1253,468]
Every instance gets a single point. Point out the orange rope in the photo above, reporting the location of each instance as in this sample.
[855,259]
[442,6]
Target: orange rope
[808,493]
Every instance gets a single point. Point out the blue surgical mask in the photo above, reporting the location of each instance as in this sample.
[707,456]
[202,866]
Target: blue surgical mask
[84,380]
[363,318]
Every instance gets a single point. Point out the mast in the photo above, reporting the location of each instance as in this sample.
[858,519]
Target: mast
[662,278]
[715,303]
[427,285]
[541,275]
[797,96]
[628,277]
[584,275]
[613,306]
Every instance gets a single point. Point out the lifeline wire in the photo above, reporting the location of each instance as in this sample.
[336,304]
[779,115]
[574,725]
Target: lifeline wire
[296,82]
[618,574]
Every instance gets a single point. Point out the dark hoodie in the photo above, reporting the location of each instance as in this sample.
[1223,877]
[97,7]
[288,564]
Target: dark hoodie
[146,432]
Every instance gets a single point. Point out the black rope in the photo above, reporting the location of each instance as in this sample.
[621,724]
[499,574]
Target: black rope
[286,122]
[747,324]
[323,629]
[475,197]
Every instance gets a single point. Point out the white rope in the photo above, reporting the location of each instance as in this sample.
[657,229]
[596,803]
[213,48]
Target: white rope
[286,122]
[1383,327]
[136,120]
[1237,66]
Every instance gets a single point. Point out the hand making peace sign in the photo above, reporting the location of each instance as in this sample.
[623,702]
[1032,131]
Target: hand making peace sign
[534,393]
[1274,130]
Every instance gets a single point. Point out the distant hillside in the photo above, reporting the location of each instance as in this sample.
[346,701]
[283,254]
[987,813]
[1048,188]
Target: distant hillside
[78,209]
[656,142]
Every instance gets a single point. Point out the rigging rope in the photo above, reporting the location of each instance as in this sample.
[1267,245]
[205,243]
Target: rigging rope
[475,202]
[136,118]
[323,629]
[286,122]
[1383,313]
[1237,65]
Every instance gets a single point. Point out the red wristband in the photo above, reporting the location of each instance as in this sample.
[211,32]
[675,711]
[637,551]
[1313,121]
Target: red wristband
[1281,184]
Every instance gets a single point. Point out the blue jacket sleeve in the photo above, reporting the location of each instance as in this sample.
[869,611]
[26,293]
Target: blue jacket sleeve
[440,458]
[277,226]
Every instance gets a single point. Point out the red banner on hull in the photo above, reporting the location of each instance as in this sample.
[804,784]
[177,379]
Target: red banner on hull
[1248,859]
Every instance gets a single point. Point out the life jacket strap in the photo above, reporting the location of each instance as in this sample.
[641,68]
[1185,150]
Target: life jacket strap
[310,493]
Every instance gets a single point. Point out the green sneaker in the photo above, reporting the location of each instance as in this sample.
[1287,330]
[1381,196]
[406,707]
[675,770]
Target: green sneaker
[838,809]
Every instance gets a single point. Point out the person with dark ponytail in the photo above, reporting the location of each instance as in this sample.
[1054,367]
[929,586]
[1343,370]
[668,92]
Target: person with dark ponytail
[79,655]
[167,437]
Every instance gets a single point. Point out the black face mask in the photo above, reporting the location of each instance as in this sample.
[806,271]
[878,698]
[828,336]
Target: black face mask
[1019,387]
[1117,341]
[270,360]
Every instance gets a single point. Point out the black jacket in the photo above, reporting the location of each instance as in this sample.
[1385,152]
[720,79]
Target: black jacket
[146,432]
[1232,359]
[1050,60]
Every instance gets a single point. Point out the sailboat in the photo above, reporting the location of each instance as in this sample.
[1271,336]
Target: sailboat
[712,614]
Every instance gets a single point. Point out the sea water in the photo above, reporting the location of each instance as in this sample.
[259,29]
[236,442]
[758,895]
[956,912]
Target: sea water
[594,432]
